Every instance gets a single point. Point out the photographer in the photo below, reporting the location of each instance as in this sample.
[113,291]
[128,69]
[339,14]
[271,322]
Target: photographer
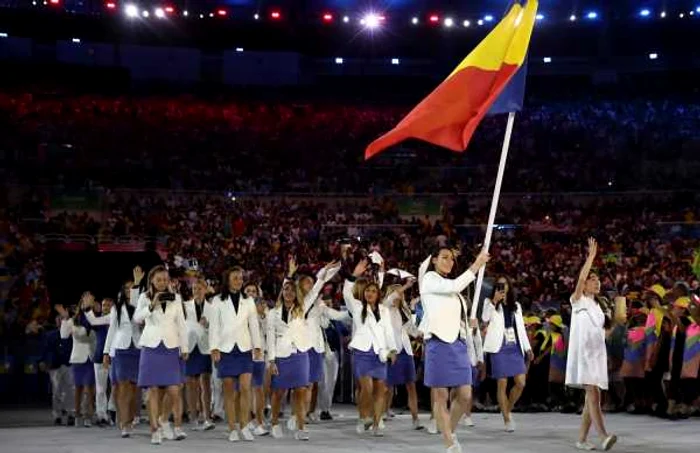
[163,341]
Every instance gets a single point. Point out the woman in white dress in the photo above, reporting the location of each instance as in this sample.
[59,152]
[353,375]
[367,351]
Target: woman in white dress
[587,364]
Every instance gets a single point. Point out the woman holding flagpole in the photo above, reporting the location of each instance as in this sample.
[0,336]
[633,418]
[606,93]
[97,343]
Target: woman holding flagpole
[587,364]
[444,326]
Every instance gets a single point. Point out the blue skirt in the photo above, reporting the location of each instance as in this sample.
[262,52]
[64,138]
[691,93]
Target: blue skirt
[126,365]
[159,367]
[197,363]
[403,371]
[83,374]
[508,362]
[258,374]
[315,366]
[447,365]
[293,372]
[113,373]
[368,364]
[235,363]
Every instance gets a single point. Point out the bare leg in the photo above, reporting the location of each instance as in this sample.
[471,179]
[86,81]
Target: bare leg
[585,422]
[516,392]
[154,398]
[365,397]
[78,399]
[379,394]
[193,397]
[388,398]
[593,398]
[276,405]
[244,383]
[229,403]
[462,399]
[503,401]
[176,404]
[166,407]
[259,405]
[205,394]
[299,399]
[442,415]
[412,399]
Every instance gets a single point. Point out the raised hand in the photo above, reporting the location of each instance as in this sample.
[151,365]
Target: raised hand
[592,247]
[138,275]
[293,267]
[361,268]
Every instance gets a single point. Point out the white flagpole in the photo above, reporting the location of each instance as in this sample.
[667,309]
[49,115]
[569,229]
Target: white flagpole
[494,207]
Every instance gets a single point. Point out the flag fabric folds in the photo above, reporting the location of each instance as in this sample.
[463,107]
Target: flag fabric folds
[450,114]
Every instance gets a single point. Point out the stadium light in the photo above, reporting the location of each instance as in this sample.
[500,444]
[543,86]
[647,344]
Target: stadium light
[54,2]
[466,24]
[572,18]
[449,22]
[480,22]
[395,61]
[434,19]
[592,15]
[75,41]
[3,35]
[256,16]
[338,60]
[371,21]
[681,15]
[414,21]
[327,17]
[275,15]
[645,12]
[169,9]
[160,13]
[697,9]
[488,18]
[547,59]
[145,13]
[131,11]
[111,5]
[185,13]
[539,16]
[239,49]
[653,56]
[663,14]
[221,12]
[346,19]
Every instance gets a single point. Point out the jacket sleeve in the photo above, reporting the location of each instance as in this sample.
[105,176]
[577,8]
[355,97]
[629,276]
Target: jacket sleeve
[488,311]
[433,283]
[181,326]
[143,309]
[214,325]
[522,333]
[97,320]
[66,329]
[388,331]
[271,337]
[111,332]
[254,326]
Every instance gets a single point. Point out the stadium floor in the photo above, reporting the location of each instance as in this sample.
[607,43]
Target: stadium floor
[21,431]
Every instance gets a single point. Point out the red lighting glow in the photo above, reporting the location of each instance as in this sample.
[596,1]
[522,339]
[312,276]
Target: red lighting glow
[434,19]
[54,2]
[221,12]
[328,17]
[169,9]
[111,5]
[276,15]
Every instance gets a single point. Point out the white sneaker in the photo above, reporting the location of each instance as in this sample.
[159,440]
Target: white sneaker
[277,432]
[302,434]
[125,433]
[586,446]
[76,422]
[247,435]
[510,426]
[168,433]
[233,436]
[260,431]
[455,448]
[378,431]
[416,425]
[382,426]
[432,427]
[87,423]
[179,433]
[292,423]
[360,427]
[156,438]
[208,425]
[468,422]
[609,442]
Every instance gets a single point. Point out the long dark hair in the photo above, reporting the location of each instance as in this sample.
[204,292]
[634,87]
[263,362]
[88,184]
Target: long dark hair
[151,292]
[122,301]
[435,253]
[509,303]
[225,290]
[365,304]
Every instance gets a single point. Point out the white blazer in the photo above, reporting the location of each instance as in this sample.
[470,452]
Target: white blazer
[402,331]
[228,328]
[121,333]
[83,342]
[286,338]
[198,335]
[371,334]
[162,326]
[443,306]
[496,329]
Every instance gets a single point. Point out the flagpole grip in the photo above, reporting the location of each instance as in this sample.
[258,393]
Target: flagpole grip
[494,208]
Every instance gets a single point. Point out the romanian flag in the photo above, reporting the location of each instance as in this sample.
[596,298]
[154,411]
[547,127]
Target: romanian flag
[450,114]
